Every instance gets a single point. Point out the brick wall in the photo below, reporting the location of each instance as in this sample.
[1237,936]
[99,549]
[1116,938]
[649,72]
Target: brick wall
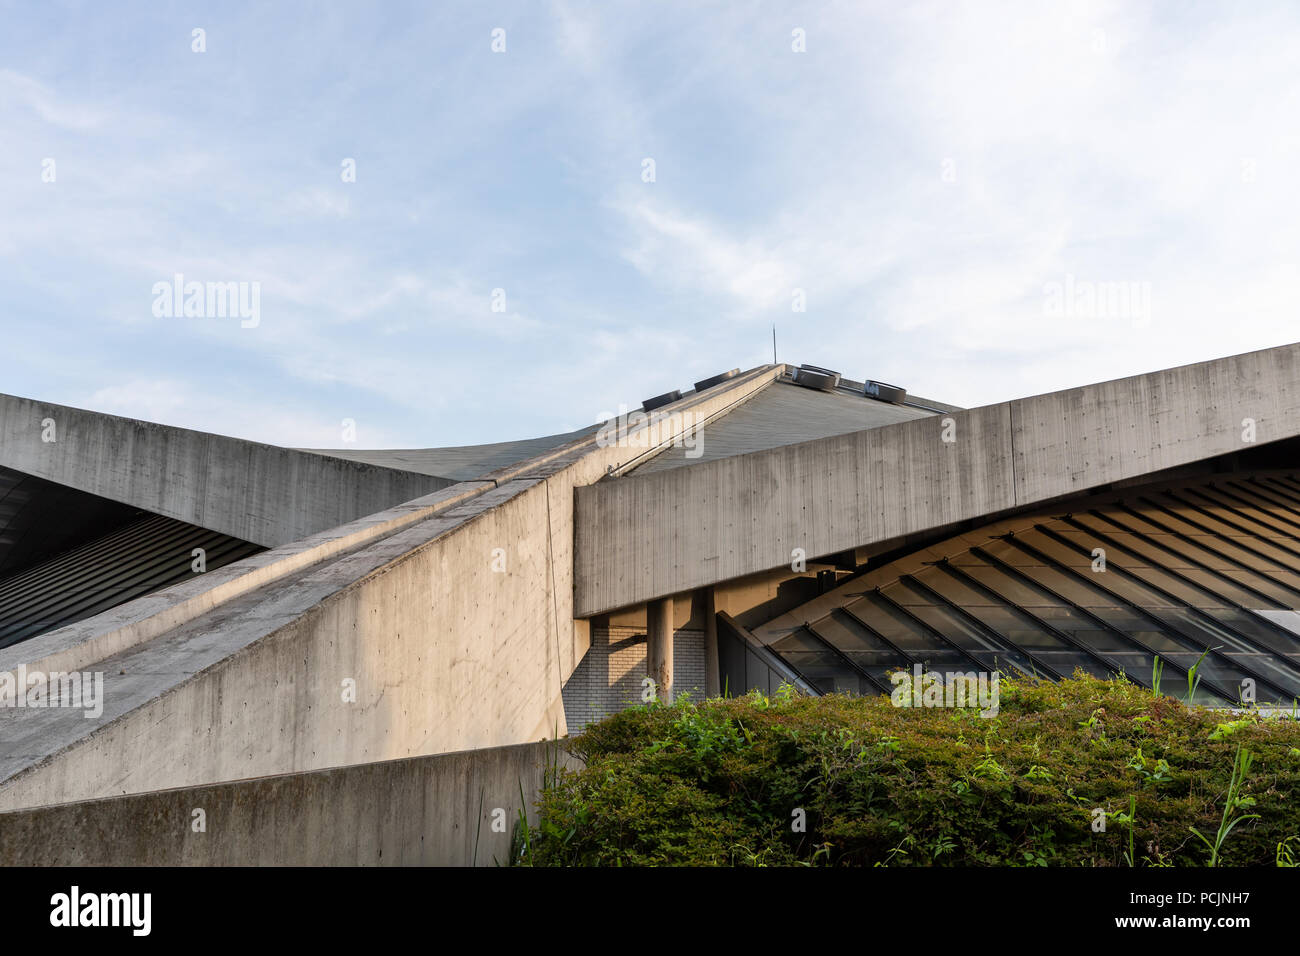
[609,678]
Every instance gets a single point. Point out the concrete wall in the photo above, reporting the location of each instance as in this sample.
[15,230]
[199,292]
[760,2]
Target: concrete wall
[426,811]
[458,632]
[644,537]
[410,646]
[256,492]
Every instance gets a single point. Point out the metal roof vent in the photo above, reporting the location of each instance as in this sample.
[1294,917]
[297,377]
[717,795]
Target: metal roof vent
[667,398]
[884,393]
[814,376]
[716,380]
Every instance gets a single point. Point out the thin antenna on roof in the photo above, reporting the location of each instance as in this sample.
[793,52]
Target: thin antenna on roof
[773,343]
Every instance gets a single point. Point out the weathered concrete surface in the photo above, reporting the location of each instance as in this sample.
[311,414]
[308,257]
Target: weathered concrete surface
[456,631]
[260,493]
[80,645]
[641,537]
[409,646]
[424,811]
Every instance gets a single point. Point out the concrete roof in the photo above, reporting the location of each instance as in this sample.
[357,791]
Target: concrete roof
[461,463]
[783,414]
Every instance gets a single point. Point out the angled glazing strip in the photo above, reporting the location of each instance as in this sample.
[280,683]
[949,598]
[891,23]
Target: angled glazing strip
[1108,666]
[1114,631]
[1172,550]
[958,611]
[848,662]
[1161,623]
[929,629]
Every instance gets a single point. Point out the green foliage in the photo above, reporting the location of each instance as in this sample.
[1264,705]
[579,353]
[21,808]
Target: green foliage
[1194,678]
[1232,805]
[1285,854]
[720,782]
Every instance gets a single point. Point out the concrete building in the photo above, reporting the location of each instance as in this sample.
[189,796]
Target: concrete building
[245,619]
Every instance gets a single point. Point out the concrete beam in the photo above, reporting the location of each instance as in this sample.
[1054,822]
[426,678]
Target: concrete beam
[641,537]
[260,493]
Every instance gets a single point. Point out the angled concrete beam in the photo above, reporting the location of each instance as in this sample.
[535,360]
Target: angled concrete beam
[643,537]
[260,493]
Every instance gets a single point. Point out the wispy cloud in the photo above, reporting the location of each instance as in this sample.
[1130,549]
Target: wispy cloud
[18,91]
[924,174]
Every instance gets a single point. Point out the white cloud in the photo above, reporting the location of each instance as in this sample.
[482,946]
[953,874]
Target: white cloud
[186,404]
[17,89]
[1095,140]
[318,202]
[1110,142]
[706,259]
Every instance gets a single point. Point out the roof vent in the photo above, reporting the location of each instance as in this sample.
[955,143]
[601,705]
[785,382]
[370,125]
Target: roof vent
[813,376]
[884,393]
[667,398]
[716,380]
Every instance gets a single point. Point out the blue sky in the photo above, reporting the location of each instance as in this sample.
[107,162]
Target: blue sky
[927,174]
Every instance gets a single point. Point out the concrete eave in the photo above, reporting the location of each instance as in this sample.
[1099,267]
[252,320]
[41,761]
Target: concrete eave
[643,537]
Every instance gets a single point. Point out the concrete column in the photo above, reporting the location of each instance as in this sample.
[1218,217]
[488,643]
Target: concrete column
[659,646]
[711,679]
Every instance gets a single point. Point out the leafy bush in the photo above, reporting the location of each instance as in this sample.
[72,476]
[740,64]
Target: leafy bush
[1083,772]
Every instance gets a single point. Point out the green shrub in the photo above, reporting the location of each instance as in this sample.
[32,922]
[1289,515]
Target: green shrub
[723,783]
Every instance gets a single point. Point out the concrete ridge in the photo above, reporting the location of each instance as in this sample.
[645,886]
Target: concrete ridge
[717,415]
[762,375]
